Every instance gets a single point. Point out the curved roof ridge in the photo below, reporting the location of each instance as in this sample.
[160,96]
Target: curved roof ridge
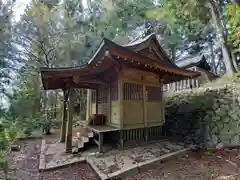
[140,40]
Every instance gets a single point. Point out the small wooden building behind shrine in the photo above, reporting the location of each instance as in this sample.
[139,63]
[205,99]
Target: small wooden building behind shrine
[198,63]
[125,86]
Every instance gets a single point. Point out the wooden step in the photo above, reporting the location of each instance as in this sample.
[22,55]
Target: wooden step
[82,136]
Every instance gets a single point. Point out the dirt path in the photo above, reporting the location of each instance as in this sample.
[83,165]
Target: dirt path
[24,165]
[196,166]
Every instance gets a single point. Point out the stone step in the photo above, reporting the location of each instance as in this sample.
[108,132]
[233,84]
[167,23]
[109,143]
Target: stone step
[80,144]
[85,139]
[82,136]
[90,135]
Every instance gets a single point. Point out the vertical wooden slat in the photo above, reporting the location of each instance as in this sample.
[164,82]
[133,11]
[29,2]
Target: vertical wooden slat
[137,134]
[109,104]
[120,99]
[124,91]
[192,82]
[88,104]
[145,111]
[162,101]
[197,82]
[120,94]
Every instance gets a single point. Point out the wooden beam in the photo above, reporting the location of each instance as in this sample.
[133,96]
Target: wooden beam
[92,80]
[68,143]
[146,60]
[65,73]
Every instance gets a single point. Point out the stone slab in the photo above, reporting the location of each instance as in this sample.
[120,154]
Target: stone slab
[100,174]
[149,164]
[123,173]
[133,170]
[115,163]
[42,164]
[53,166]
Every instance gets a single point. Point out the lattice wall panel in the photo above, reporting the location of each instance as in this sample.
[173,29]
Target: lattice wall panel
[103,109]
[132,91]
[93,95]
[103,100]
[153,93]
[103,95]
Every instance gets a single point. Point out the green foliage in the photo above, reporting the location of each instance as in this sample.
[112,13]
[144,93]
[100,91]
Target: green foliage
[4,163]
[233,15]
[6,46]
[8,134]
[186,22]
[232,78]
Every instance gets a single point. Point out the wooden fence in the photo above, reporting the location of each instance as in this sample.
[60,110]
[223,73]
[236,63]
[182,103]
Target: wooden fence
[183,84]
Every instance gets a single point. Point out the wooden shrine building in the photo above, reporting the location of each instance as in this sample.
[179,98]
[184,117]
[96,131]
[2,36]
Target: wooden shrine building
[124,86]
[196,63]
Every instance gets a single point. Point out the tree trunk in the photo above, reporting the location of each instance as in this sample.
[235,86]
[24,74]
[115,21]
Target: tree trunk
[228,61]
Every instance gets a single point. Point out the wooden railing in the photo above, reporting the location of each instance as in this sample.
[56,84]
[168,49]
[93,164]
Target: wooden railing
[183,84]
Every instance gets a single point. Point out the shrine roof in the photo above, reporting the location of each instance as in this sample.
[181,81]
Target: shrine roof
[110,56]
[197,60]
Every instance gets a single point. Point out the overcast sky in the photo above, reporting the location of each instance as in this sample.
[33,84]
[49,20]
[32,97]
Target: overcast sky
[19,8]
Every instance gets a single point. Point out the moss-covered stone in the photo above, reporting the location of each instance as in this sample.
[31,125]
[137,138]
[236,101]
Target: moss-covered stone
[205,116]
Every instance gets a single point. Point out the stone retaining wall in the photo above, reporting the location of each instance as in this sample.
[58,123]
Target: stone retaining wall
[204,116]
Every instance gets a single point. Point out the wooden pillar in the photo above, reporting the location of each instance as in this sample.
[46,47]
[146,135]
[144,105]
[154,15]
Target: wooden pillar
[89,104]
[197,82]
[68,143]
[162,100]
[97,99]
[64,117]
[100,141]
[109,105]
[120,98]
[145,112]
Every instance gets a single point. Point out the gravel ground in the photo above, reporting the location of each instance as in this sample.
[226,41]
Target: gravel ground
[193,166]
[24,165]
[73,172]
